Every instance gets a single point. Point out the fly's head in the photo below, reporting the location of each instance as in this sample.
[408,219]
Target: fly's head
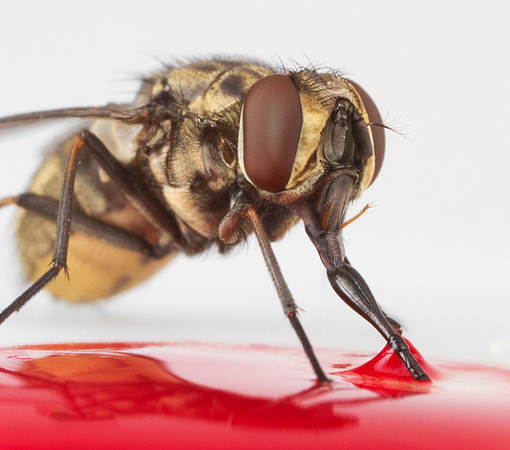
[310,141]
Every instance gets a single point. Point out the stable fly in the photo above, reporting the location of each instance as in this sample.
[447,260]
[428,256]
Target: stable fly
[209,152]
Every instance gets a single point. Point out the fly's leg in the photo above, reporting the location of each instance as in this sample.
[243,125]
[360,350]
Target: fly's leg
[348,282]
[353,290]
[229,229]
[135,191]
[127,183]
[47,207]
[59,260]
[397,327]
[290,308]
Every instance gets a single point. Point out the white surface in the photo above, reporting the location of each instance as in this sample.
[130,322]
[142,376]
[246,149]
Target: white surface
[435,250]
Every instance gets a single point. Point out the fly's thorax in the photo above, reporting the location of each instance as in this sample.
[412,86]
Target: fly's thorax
[196,170]
[197,165]
[202,145]
[203,87]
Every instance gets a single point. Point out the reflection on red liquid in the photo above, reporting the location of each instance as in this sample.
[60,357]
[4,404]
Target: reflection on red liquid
[212,396]
[98,386]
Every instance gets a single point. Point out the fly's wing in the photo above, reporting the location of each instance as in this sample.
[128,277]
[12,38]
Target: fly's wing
[147,114]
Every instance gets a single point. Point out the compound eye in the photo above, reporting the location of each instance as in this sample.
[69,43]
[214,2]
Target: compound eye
[374,117]
[272,122]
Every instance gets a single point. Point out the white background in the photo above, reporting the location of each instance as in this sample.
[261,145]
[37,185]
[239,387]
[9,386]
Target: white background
[434,250]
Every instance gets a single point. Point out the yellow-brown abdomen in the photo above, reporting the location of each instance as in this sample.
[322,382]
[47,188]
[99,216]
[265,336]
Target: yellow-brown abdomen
[97,268]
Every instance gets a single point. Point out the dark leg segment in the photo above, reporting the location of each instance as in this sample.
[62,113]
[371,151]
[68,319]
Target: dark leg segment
[48,208]
[138,194]
[289,305]
[352,288]
[17,304]
[62,235]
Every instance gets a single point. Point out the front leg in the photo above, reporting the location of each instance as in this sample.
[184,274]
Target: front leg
[353,290]
[231,230]
[323,214]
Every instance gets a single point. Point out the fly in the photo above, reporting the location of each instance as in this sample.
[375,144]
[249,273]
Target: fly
[209,152]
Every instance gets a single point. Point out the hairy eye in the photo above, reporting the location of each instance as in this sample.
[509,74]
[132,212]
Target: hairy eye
[374,117]
[272,122]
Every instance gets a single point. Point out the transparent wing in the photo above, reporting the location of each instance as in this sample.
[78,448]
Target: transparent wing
[146,114]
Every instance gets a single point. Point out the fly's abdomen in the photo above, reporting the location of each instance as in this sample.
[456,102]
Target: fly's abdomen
[97,268]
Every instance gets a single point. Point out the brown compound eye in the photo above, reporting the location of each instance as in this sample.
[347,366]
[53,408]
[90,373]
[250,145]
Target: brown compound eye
[272,122]
[374,117]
